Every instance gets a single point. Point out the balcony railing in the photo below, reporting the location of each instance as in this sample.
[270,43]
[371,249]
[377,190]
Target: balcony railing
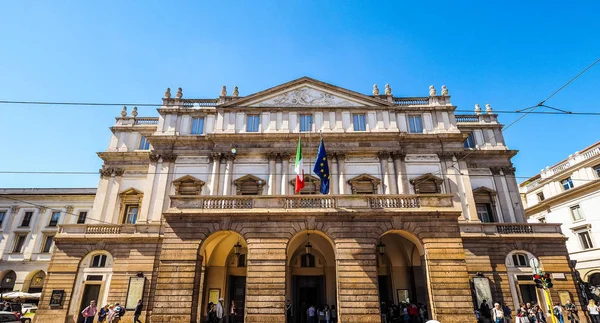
[500,229]
[411,101]
[346,202]
[573,160]
[91,230]
[145,120]
[466,118]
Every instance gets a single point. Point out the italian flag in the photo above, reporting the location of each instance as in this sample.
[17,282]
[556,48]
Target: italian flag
[298,168]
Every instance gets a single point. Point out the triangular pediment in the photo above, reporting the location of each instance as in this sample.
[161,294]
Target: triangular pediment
[308,92]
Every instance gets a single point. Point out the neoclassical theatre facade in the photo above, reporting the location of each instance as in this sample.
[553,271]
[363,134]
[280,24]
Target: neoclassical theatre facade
[200,204]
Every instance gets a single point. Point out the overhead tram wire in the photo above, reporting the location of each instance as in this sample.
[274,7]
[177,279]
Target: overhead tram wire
[526,111]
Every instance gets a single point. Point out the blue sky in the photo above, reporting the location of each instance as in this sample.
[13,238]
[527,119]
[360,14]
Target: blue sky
[509,54]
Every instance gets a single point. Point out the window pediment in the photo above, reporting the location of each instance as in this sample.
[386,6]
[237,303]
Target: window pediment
[364,184]
[249,185]
[312,184]
[427,184]
[484,191]
[188,185]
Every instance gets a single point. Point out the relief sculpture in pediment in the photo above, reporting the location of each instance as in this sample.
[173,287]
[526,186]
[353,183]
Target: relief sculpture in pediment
[307,97]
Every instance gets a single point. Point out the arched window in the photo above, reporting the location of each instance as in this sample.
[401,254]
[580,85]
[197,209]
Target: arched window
[520,260]
[99,261]
[241,260]
[8,282]
[307,260]
[594,279]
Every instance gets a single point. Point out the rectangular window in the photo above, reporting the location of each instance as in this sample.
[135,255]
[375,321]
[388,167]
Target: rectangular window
[54,219]
[19,244]
[27,219]
[585,239]
[131,214]
[48,243]
[359,122]
[520,260]
[567,184]
[484,212]
[198,126]
[470,142]
[540,196]
[144,144]
[253,123]
[2,215]
[81,218]
[576,213]
[415,124]
[98,261]
[597,170]
[305,122]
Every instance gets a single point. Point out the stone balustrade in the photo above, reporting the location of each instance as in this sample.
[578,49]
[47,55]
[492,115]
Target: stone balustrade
[333,202]
[101,231]
[469,229]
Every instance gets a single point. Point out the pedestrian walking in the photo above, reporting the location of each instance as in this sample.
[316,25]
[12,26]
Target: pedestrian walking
[572,312]
[211,316]
[593,311]
[522,315]
[539,314]
[312,314]
[220,311]
[89,312]
[558,312]
[103,313]
[111,314]
[333,314]
[507,312]
[138,311]
[498,313]
[232,312]
[484,310]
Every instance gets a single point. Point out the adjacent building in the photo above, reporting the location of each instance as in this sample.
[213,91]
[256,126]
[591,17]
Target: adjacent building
[569,193]
[200,203]
[29,221]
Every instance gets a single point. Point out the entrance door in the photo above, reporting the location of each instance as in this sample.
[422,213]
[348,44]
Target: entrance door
[309,290]
[237,293]
[385,289]
[90,293]
[528,293]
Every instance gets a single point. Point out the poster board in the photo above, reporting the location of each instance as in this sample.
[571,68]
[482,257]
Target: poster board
[135,292]
[57,296]
[482,291]
[402,295]
[213,295]
[564,296]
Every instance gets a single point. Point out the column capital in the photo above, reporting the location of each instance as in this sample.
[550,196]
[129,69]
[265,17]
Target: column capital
[42,209]
[495,170]
[398,154]
[168,158]
[383,155]
[285,156]
[14,209]
[69,208]
[340,156]
[271,156]
[215,156]
[154,157]
[446,155]
[229,157]
[111,171]
[508,170]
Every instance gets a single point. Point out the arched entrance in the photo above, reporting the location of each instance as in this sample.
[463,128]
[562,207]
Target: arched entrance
[93,282]
[401,270]
[223,273]
[7,284]
[310,272]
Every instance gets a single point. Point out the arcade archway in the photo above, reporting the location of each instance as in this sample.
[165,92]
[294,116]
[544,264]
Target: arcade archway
[401,270]
[311,273]
[222,262]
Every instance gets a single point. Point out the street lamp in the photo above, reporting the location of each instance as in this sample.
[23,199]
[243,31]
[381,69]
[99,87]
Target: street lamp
[381,248]
[236,248]
[308,246]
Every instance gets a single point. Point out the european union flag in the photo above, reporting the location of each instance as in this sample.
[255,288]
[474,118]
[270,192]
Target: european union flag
[322,168]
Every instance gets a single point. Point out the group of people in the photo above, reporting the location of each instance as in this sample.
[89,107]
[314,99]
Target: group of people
[533,313]
[403,313]
[216,312]
[312,313]
[110,313]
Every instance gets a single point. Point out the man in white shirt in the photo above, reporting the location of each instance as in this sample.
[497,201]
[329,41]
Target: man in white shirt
[220,310]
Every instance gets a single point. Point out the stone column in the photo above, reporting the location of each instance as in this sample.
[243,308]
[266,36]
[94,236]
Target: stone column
[401,176]
[163,180]
[465,184]
[392,176]
[285,165]
[504,199]
[385,180]
[341,161]
[214,176]
[272,174]
[334,174]
[277,188]
[228,173]
[110,212]
[265,277]
[513,192]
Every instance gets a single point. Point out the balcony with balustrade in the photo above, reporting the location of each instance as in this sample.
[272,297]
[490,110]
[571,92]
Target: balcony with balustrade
[100,232]
[510,230]
[312,204]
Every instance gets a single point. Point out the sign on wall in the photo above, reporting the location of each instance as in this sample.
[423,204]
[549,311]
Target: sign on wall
[57,297]
[135,292]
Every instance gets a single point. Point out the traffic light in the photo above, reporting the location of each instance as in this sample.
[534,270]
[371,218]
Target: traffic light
[548,281]
[537,279]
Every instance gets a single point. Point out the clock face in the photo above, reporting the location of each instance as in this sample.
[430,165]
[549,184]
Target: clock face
[534,263]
